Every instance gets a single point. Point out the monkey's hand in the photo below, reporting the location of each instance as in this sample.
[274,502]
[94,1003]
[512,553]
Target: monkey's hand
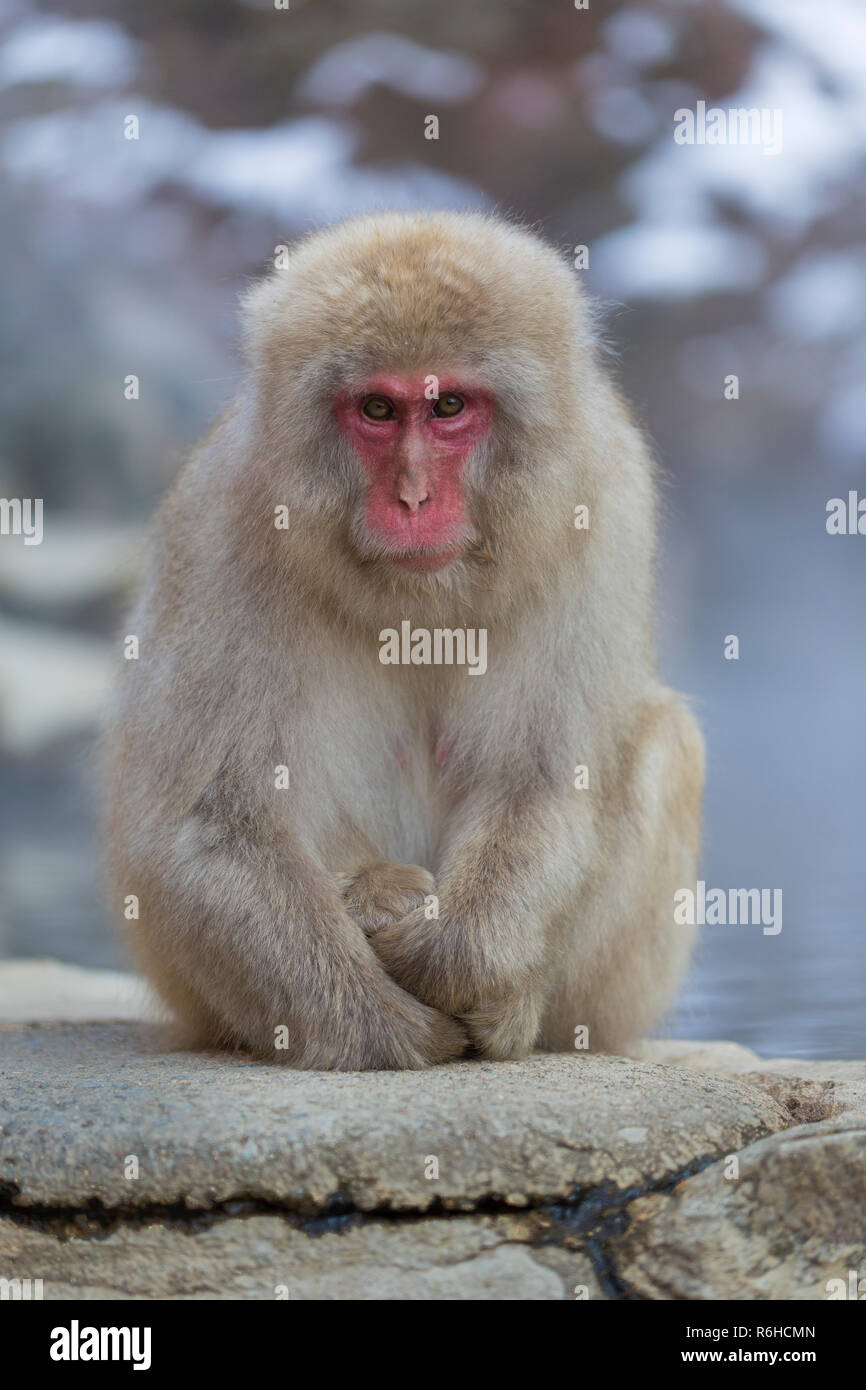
[381,894]
[466,972]
[483,958]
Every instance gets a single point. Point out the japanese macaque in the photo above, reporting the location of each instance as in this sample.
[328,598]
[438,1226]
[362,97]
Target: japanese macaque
[340,860]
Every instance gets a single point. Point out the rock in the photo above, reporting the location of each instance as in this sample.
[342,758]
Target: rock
[810,1090]
[47,991]
[788,1225]
[131,1170]
[266,1257]
[210,1128]
[78,562]
[52,683]
[699,1056]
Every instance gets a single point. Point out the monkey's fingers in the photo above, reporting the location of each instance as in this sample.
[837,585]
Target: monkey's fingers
[449,1040]
[411,950]
[505,1028]
[382,893]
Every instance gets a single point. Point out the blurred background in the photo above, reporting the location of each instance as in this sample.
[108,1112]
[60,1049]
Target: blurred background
[257,124]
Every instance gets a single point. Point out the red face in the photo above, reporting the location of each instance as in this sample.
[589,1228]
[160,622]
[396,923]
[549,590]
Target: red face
[414,451]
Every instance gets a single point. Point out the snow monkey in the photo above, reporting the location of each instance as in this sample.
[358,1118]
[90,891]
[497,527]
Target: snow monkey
[352,846]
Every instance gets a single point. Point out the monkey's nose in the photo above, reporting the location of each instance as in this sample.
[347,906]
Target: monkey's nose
[412,495]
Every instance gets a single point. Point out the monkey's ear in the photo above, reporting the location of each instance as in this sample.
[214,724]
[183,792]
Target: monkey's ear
[259,314]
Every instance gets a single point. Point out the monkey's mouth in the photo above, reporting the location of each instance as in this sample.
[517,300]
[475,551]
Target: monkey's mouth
[426,561]
[413,555]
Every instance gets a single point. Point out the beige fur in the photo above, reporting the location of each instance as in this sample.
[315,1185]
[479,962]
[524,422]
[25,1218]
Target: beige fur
[305,907]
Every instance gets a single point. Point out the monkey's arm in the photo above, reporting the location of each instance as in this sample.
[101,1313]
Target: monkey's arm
[509,867]
[552,917]
[252,946]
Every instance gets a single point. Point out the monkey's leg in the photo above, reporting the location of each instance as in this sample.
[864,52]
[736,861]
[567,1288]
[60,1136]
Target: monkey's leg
[255,948]
[381,893]
[619,955]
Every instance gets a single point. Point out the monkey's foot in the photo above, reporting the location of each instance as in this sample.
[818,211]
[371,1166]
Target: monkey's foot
[505,1029]
[446,1041]
[434,961]
[382,893]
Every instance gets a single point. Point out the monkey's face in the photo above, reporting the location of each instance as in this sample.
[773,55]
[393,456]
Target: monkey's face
[418,391]
[413,437]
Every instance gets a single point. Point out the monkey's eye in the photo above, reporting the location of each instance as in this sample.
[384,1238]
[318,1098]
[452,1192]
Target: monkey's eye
[448,405]
[378,408]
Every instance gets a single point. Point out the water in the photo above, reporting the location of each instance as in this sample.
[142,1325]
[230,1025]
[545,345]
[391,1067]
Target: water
[787,766]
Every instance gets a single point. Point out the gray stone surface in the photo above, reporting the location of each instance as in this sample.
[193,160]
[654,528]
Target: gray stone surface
[129,1170]
[266,1257]
[791,1221]
[77,1099]
[810,1090]
[793,1218]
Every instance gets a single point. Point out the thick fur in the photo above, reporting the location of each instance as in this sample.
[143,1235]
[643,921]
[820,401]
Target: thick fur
[304,908]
